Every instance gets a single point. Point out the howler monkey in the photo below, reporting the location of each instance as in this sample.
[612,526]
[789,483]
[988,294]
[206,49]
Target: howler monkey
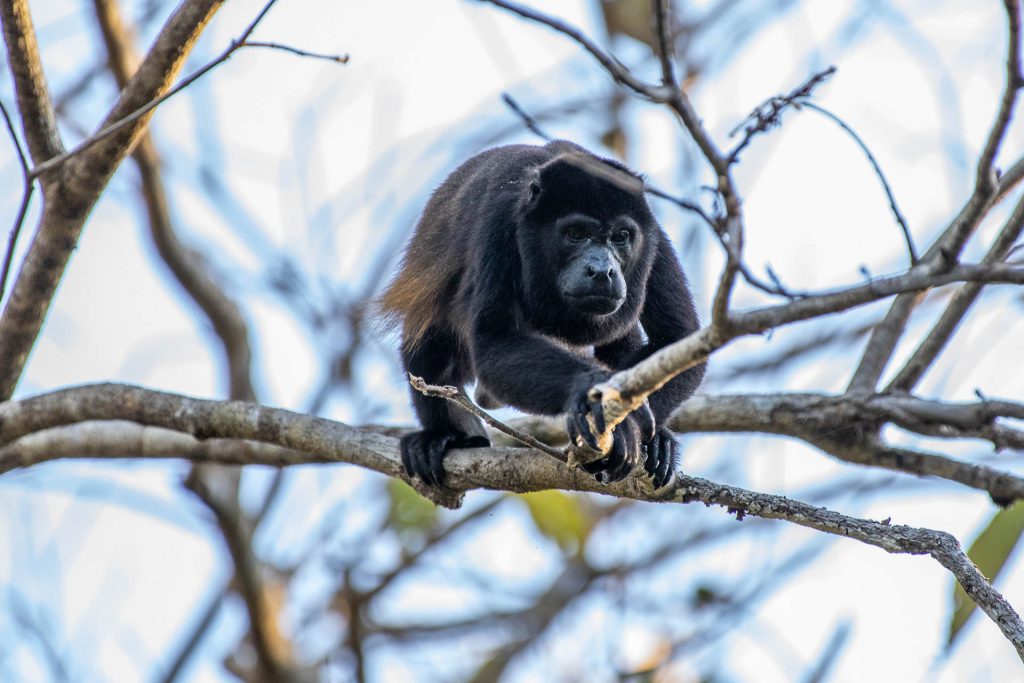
[538,271]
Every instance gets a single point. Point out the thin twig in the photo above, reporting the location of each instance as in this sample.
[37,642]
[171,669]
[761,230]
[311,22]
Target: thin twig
[946,249]
[935,341]
[114,127]
[666,52]
[768,115]
[453,394]
[684,204]
[897,214]
[26,197]
[614,67]
[1014,83]
[196,634]
[14,137]
[339,59]
[528,121]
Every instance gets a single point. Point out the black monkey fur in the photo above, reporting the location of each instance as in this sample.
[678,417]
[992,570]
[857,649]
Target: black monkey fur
[539,271]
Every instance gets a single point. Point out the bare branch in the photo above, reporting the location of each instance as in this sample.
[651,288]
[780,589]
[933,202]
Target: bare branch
[495,468]
[528,121]
[844,426]
[68,198]
[26,196]
[626,390]
[188,266]
[149,88]
[188,648]
[946,249]
[37,116]
[985,179]
[337,59]
[684,204]
[613,66]
[940,334]
[666,46]
[123,439]
[897,214]
[453,394]
[768,115]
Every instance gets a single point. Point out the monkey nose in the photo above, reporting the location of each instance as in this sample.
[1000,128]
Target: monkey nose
[598,273]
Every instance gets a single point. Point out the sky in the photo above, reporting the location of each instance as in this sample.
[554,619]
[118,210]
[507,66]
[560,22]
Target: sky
[325,165]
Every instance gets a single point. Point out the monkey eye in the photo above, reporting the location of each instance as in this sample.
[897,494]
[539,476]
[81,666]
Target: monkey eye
[575,233]
[620,237]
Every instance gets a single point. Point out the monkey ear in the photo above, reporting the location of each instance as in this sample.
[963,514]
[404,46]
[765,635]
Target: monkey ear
[533,192]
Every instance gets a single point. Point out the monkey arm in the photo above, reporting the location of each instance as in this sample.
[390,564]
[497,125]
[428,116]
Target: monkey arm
[526,370]
[668,315]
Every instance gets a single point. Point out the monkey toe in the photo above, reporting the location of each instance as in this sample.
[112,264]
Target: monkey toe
[662,453]
[423,452]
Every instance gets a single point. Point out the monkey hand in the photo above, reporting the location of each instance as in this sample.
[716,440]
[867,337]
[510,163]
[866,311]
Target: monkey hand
[423,452]
[628,438]
[661,457]
[627,449]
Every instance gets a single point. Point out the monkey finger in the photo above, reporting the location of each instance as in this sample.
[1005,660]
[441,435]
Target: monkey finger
[667,463]
[599,470]
[407,461]
[661,474]
[651,461]
[619,462]
[645,420]
[580,428]
[572,432]
[597,410]
[620,472]
[435,459]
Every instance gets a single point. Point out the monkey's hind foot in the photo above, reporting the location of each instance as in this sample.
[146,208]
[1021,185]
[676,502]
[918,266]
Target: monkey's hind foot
[423,452]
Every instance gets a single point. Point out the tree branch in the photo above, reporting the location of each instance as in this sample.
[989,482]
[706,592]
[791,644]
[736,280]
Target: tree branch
[517,470]
[935,341]
[37,117]
[69,197]
[28,186]
[893,206]
[946,249]
[188,266]
[844,426]
[614,67]
[626,390]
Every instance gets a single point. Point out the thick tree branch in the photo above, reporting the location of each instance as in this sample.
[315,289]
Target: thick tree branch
[626,390]
[844,427]
[69,196]
[37,117]
[935,341]
[517,470]
[86,172]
